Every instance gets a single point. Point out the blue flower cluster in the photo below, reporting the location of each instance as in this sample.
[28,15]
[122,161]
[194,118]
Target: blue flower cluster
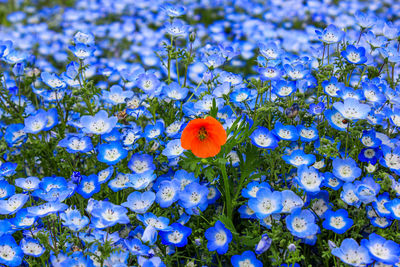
[94,96]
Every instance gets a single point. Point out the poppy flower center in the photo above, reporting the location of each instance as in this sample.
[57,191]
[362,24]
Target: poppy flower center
[202,134]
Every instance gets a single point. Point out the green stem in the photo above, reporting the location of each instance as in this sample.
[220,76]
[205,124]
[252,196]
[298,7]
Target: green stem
[195,90]
[227,191]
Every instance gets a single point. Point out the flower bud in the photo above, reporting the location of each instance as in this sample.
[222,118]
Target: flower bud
[291,247]
[192,37]
[264,244]
[370,168]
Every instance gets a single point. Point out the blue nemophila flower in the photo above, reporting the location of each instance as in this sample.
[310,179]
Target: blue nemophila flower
[394,116]
[6,189]
[290,201]
[346,169]
[13,204]
[381,222]
[206,103]
[222,89]
[173,10]
[369,139]
[47,208]
[270,73]
[241,95]
[168,193]
[262,137]
[218,238]
[140,181]
[394,207]
[173,149]
[129,137]
[379,204]
[159,223]
[116,95]
[75,143]
[354,55]
[317,109]
[250,191]
[307,134]
[52,80]
[296,71]
[365,21]
[337,221]
[15,57]
[175,91]
[351,253]
[176,236]
[390,53]
[174,129]
[121,181]
[36,123]
[391,158]
[298,158]
[111,153]
[152,131]
[136,247]
[15,135]
[309,179]
[10,253]
[382,250]
[193,196]
[86,38]
[213,61]
[335,119]
[390,30]
[177,28]
[106,214]
[352,109]
[332,87]
[99,123]
[49,183]
[88,186]
[283,88]
[372,94]
[301,223]
[367,189]
[150,235]
[8,169]
[112,136]
[349,196]
[23,219]
[139,202]
[82,51]
[32,247]
[248,258]
[266,203]
[375,41]
[73,219]
[286,132]
[330,35]
[141,163]
[349,92]
[332,182]
[105,175]
[270,50]
[320,203]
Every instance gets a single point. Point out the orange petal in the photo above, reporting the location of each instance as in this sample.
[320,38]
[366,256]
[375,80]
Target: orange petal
[205,148]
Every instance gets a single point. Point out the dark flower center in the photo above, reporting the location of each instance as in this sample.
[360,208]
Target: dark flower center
[202,134]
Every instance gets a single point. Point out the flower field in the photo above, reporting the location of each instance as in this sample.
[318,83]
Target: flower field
[199,133]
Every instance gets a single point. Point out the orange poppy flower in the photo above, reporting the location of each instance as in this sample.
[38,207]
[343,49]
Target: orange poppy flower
[204,137]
